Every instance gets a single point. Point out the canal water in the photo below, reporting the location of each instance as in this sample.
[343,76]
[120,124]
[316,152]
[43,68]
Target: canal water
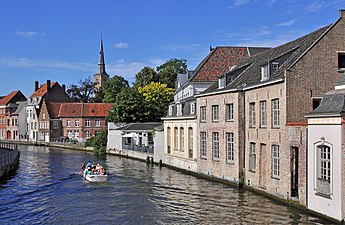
[47,189]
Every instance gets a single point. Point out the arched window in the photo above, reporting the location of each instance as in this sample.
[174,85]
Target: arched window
[323,168]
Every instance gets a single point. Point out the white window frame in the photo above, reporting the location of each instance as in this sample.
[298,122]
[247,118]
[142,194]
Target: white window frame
[215,145]
[182,139]
[203,145]
[202,113]
[263,114]
[221,82]
[252,115]
[215,113]
[265,72]
[68,123]
[192,108]
[176,130]
[275,161]
[252,164]
[87,134]
[55,125]
[87,123]
[275,113]
[230,156]
[323,168]
[229,112]
[76,123]
[97,123]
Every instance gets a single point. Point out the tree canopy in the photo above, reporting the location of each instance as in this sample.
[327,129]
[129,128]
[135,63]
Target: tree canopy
[145,76]
[167,72]
[113,87]
[81,92]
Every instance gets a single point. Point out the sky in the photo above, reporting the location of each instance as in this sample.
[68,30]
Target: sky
[60,40]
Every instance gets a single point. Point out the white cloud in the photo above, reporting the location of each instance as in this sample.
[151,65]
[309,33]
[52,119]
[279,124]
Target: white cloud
[121,45]
[240,2]
[286,24]
[29,34]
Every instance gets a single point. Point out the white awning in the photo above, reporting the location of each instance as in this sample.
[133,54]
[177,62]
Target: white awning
[129,135]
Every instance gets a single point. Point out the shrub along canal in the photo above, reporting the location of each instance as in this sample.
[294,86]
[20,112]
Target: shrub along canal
[46,188]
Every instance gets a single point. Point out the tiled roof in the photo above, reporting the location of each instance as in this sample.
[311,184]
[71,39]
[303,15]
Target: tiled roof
[42,90]
[53,109]
[84,109]
[219,60]
[8,98]
[248,73]
[149,126]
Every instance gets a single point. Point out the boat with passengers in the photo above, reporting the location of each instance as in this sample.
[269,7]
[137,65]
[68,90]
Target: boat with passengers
[94,173]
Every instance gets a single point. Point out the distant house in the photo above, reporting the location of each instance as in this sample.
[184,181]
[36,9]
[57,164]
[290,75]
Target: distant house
[50,125]
[50,92]
[20,116]
[80,121]
[8,122]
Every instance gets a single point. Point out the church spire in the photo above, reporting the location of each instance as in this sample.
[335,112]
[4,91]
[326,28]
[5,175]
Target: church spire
[101,64]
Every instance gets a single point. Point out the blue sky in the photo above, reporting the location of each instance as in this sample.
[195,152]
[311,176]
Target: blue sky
[59,40]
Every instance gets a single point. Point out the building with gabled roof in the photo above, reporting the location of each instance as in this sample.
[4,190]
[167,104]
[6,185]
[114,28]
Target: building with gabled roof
[80,121]
[49,124]
[180,124]
[252,122]
[8,124]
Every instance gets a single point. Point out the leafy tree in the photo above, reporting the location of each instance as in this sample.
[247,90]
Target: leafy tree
[157,98]
[145,76]
[167,73]
[113,87]
[81,92]
[98,142]
[129,107]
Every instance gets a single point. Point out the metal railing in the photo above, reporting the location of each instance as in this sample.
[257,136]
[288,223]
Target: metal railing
[8,145]
[147,149]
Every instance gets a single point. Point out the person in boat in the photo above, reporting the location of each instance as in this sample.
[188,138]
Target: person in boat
[89,164]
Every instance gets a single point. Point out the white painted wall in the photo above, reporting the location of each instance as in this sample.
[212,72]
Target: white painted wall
[332,134]
[158,140]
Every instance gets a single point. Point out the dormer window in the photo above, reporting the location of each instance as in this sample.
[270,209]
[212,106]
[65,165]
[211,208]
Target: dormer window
[179,110]
[265,72]
[221,82]
[275,65]
[170,110]
[192,108]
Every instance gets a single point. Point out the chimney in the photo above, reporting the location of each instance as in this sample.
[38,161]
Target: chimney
[48,86]
[36,85]
[63,88]
[342,13]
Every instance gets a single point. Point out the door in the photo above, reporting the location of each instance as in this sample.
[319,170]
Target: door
[294,171]
[262,166]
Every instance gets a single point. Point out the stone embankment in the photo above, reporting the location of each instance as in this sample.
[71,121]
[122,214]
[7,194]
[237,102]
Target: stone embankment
[9,158]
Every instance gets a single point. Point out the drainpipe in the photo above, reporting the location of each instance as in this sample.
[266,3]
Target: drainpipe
[306,149]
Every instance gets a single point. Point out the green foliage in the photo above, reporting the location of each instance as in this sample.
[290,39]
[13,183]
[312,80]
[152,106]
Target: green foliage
[129,107]
[98,142]
[113,87]
[145,76]
[81,92]
[167,73]
[157,98]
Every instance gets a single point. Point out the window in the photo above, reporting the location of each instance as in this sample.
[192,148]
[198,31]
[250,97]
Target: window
[263,114]
[275,112]
[176,138]
[182,139]
[170,110]
[252,114]
[179,109]
[265,72]
[341,60]
[252,158]
[324,168]
[275,65]
[221,82]
[316,102]
[230,146]
[215,145]
[215,113]
[76,133]
[203,113]
[192,108]
[203,145]
[43,116]
[229,112]
[97,123]
[275,161]
[69,133]
[169,140]
[190,142]
[87,134]
[76,123]
[87,123]
[68,123]
[55,125]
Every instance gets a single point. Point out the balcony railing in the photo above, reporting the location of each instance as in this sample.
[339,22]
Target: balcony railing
[148,149]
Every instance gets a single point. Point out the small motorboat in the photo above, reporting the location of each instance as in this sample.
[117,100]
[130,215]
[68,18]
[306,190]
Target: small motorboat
[93,173]
[95,177]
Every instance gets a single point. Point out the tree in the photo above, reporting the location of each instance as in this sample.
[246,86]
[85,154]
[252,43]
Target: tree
[145,76]
[113,87]
[98,142]
[157,98]
[167,73]
[83,92]
[129,107]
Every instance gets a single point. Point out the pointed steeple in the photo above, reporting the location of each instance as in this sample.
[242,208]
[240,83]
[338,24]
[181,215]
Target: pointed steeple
[101,64]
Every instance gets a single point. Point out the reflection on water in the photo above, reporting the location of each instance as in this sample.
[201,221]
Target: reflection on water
[48,189]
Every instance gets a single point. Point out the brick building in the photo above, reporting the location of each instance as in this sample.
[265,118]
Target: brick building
[80,121]
[49,124]
[252,122]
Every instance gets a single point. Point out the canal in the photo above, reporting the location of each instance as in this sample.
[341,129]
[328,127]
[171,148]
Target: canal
[47,189]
